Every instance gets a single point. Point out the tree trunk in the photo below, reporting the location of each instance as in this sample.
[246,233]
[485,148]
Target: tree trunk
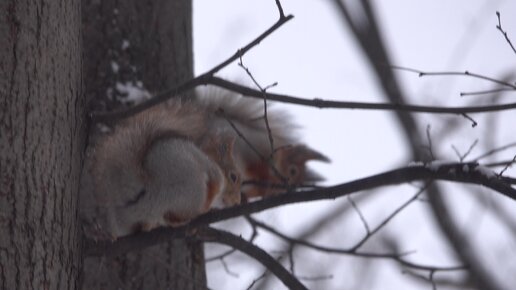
[146,45]
[41,143]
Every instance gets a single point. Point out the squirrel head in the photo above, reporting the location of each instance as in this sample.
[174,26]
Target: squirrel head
[219,148]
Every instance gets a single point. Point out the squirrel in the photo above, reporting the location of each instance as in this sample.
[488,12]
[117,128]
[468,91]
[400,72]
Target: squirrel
[149,172]
[262,176]
[170,163]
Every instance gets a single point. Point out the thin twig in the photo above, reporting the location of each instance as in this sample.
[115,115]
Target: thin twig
[450,283]
[257,279]
[269,161]
[492,91]
[429,140]
[280,9]
[507,167]
[291,261]
[455,73]
[220,256]
[360,215]
[493,151]
[473,122]
[429,279]
[504,33]
[470,149]
[389,218]
[499,163]
[226,268]
[463,156]
[265,114]
[241,135]
[315,278]
[256,41]
[320,103]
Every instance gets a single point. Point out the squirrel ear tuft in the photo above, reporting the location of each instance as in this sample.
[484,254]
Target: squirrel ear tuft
[311,154]
[304,153]
[301,153]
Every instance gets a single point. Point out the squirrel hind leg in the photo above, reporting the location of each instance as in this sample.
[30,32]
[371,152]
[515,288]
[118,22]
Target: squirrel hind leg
[143,226]
[174,220]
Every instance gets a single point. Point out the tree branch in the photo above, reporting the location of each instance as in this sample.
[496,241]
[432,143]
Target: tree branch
[223,237]
[320,103]
[457,73]
[504,33]
[459,172]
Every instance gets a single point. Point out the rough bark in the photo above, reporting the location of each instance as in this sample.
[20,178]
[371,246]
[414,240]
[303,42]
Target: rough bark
[140,43]
[144,44]
[41,143]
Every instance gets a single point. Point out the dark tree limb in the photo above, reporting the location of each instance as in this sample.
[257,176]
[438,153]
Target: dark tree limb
[470,173]
[321,104]
[223,237]
[315,102]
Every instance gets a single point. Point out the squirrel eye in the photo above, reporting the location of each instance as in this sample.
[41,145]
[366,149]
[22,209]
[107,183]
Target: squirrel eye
[292,170]
[233,176]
